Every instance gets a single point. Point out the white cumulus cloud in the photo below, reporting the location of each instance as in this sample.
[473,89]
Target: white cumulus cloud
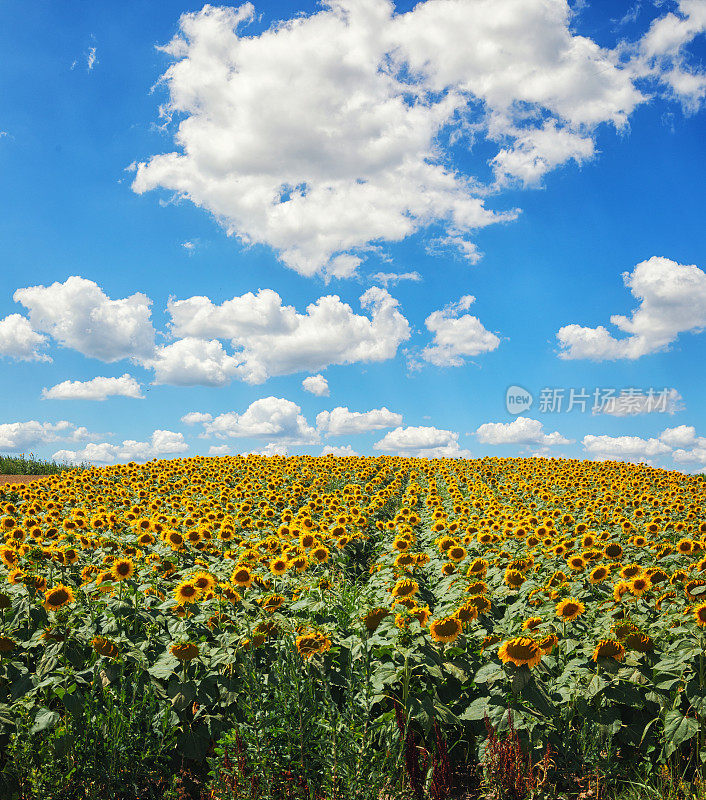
[271,339]
[456,335]
[18,339]
[161,443]
[19,436]
[327,134]
[78,314]
[316,384]
[267,418]
[344,450]
[521,430]
[98,388]
[624,448]
[422,442]
[340,421]
[672,301]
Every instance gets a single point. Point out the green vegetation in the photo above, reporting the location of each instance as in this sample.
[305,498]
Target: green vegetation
[30,465]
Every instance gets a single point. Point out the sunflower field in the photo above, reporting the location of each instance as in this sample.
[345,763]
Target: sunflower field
[322,627]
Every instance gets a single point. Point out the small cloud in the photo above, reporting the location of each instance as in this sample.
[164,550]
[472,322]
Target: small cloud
[219,450]
[316,384]
[391,278]
[91,59]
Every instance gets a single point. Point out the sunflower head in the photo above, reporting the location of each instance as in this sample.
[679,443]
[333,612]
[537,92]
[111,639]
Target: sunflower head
[700,615]
[185,651]
[187,592]
[521,650]
[548,643]
[405,588]
[104,647]
[309,644]
[374,617]
[445,629]
[122,569]
[569,609]
[466,613]
[640,642]
[58,596]
[609,648]
[599,573]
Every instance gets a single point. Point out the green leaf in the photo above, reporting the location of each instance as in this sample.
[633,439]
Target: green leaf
[193,743]
[44,719]
[488,673]
[677,729]
[695,697]
[479,708]
[164,666]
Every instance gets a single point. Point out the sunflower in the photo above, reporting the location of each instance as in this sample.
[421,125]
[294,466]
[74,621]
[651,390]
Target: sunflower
[174,539]
[307,540]
[670,595]
[466,613]
[700,615]
[478,568]
[58,596]
[557,579]
[609,648]
[656,575]
[241,577]
[184,652]
[104,647]
[186,592]
[569,609]
[5,601]
[309,644]
[531,623]
[203,581]
[456,553]
[480,601]
[300,563]
[421,614]
[620,588]
[448,569]
[272,602]
[321,554]
[374,617]
[599,574]
[614,551]
[623,629]
[514,578]
[489,641]
[640,642]
[521,650]
[693,589]
[405,588]
[638,586]
[445,629]
[548,643]
[122,569]
[685,546]
[576,562]
[7,644]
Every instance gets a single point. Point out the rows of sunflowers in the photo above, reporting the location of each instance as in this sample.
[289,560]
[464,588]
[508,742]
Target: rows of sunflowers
[564,601]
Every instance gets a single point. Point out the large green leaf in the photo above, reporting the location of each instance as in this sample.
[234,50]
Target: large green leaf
[677,730]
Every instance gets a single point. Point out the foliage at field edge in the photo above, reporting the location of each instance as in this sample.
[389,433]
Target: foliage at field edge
[31,465]
[421,610]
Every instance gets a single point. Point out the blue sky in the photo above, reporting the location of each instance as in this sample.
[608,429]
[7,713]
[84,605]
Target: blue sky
[543,158]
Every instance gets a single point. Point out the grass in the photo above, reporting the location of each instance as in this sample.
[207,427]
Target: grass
[31,465]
